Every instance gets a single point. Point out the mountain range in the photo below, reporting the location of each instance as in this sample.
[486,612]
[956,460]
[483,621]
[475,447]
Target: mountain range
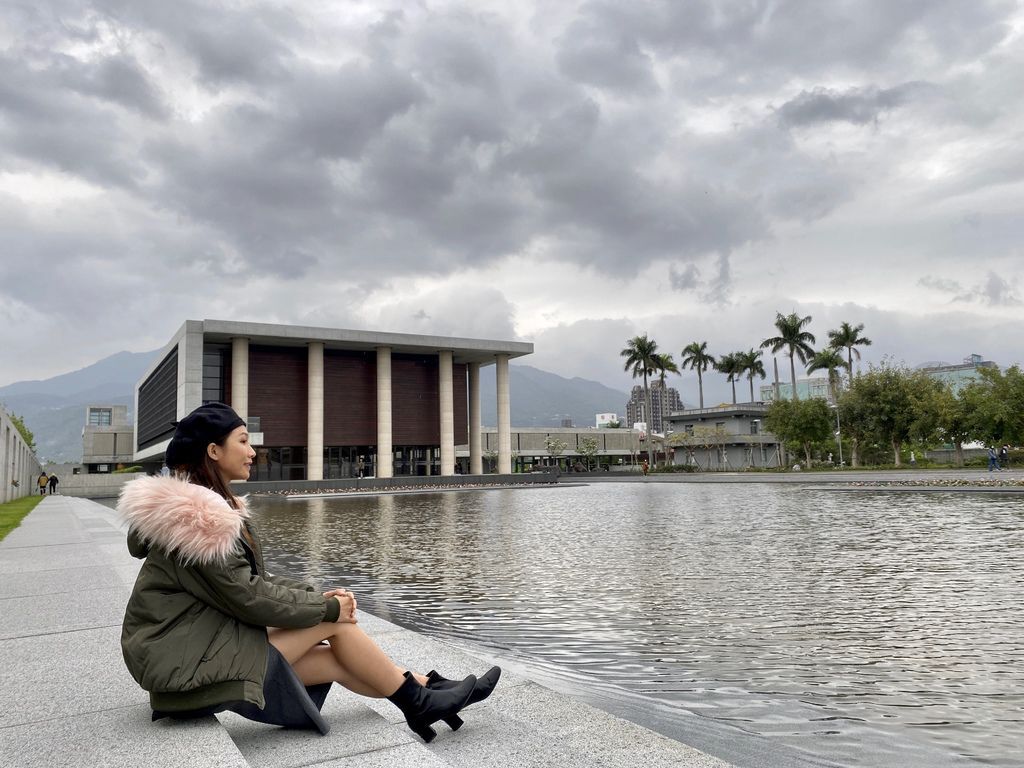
[54,409]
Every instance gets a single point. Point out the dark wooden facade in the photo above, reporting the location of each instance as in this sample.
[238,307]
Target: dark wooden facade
[277,393]
[278,383]
[350,398]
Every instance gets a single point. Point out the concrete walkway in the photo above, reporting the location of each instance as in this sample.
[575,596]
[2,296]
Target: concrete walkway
[67,700]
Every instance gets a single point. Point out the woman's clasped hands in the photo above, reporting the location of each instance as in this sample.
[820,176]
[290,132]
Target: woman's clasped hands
[348,605]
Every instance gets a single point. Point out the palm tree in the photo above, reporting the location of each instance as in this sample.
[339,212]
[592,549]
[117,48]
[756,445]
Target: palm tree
[695,356]
[793,337]
[665,365]
[848,337]
[642,360]
[829,359]
[732,366]
[751,365]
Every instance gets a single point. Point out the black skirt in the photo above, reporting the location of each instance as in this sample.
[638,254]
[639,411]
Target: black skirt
[288,702]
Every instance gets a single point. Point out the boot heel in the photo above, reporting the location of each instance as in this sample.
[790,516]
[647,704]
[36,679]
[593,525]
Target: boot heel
[426,733]
[423,707]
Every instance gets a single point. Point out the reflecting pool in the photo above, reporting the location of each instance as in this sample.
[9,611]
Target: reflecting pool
[853,628]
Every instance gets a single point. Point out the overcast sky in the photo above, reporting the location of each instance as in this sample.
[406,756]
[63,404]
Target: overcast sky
[566,173]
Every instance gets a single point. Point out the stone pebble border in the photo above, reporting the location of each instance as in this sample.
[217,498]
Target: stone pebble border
[404,489]
[982,486]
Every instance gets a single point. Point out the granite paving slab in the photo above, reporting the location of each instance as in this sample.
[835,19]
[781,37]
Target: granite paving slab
[355,729]
[63,611]
[119,738]
[49,558]
[402,756]
[47,583]
[63,675]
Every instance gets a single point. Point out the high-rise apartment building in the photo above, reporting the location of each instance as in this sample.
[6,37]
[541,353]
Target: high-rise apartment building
[664,400]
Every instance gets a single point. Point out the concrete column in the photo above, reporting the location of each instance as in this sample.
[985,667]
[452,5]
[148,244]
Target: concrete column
[476,457]
[504,417]
[385,459]
[240,376]
[446,396]
[315,413]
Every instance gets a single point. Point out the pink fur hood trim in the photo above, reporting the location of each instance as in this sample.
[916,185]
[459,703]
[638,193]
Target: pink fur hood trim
[181,517]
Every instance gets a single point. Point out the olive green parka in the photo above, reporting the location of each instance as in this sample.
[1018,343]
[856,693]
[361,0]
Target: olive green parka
[195,629]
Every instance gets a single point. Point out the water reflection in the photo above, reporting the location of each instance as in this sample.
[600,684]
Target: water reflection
[871,628]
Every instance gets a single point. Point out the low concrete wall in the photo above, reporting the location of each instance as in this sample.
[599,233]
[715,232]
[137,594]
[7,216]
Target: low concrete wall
[372,483]
[109,486]
[95,486]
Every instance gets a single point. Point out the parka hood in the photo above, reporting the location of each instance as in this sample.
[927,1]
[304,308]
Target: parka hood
[180,517]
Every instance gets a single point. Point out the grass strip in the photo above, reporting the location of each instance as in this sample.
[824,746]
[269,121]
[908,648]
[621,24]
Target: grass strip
[13,512]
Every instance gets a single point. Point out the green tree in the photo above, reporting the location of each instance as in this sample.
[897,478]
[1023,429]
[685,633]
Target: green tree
[26,433]
[696,356]
[852,416]
[848,337]
[1000,406]
[896,404]
[794,339]
[642,360]
[732,366]
[957,417]
[751,365]
[491,457]
[665,365]
[803,423]
[555,448]
[588,447]
[830,360]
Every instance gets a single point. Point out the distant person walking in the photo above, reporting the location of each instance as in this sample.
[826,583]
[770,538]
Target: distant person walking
[993,458]
[1004,457]
[43,480]
[53,484]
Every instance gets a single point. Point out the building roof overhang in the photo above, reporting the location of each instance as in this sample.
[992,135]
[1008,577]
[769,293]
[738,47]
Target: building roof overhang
[464,350]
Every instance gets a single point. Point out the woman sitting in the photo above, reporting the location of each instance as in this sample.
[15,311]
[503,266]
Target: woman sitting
[207,629]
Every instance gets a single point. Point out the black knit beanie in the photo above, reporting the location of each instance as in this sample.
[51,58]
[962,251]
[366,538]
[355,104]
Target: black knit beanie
[207,424]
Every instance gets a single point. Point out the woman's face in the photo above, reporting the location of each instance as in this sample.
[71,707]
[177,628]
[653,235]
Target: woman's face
[234,458]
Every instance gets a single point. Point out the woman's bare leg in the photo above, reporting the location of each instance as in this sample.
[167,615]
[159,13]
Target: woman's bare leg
[358,663]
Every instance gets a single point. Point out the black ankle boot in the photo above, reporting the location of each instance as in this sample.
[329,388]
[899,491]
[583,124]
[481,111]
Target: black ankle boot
[484,685]
[423,707]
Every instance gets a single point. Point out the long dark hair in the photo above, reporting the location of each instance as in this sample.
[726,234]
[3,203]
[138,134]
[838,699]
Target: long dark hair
[203,471]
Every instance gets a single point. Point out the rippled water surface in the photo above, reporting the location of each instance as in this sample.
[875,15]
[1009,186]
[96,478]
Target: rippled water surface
[862,628]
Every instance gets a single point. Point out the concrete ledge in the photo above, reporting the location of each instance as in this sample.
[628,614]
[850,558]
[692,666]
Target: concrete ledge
[100,486]
[404,481]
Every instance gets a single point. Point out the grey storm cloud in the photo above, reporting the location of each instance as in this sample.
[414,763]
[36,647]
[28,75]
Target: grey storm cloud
[684,280]
[724,47]
[286,143]
[859,106]
[994,290]
[116,79]
[605,57]
[68,120]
